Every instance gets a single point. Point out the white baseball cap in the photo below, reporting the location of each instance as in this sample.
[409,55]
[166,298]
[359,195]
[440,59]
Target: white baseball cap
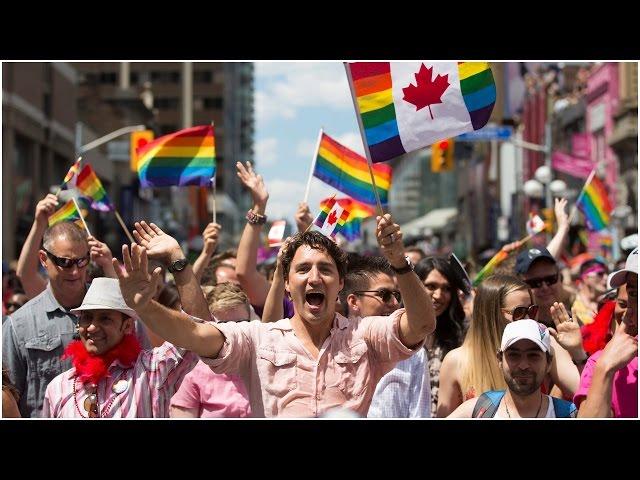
[620,277]
[526,330]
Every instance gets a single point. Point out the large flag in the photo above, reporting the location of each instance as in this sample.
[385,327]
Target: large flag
[331,218]
[186,157]
[405,106]
[68,212]
[595,205]
[90,185]
[348,172]
[358,211]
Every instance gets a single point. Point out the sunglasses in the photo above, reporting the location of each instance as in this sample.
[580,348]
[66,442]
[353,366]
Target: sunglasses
[384,293]
[521,312]
[537,282]
[63,262]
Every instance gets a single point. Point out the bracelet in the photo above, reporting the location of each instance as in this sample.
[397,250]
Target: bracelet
[255,218]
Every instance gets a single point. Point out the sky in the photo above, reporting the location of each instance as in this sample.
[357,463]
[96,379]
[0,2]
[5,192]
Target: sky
[293,100]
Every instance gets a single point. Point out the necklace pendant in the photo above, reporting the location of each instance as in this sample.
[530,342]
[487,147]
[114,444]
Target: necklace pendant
[120,386]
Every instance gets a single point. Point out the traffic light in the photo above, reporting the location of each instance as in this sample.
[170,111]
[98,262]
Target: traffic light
[442,156]
[138,139]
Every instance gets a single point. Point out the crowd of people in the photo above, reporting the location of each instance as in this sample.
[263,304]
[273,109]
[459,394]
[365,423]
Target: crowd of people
[323,333]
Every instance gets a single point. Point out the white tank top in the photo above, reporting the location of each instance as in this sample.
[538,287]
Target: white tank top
[551,413]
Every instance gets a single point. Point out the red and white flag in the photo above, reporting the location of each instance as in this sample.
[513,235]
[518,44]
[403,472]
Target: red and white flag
[276,233]
[535,225]
[331,218]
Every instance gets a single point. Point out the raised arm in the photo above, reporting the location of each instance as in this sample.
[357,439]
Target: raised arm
[166,249]
[138,287]
[419,319]
[619,351]
[303,217]
[557,242]
[252,282]
[27,270]
[273,307]
[210,237]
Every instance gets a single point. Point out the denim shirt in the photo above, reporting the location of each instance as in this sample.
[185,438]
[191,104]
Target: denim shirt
[33,340]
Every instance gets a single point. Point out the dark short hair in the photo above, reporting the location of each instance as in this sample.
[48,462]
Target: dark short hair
[317,241]
[217,261]
[68,230]
[360,270]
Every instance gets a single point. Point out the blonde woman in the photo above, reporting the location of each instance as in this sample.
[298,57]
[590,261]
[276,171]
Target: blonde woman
[471,369]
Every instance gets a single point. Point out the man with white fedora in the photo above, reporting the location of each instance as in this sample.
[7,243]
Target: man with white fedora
[111,375]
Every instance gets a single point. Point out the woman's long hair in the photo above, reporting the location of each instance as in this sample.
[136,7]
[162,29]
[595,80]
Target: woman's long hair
[479,366]
[450,323]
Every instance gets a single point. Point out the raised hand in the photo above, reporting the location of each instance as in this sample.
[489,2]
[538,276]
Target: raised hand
[303,217]
[45,208]
[100,254]
[389,238]
[159,245]
[211,237]
[620,350]
[567,331]
[137,285]
[561,215]
[254,183]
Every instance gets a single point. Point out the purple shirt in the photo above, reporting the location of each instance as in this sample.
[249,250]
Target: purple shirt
[284,379]
[213,395]
[624,393]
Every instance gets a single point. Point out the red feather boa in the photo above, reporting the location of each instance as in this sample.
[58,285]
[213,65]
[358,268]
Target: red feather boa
[92,368]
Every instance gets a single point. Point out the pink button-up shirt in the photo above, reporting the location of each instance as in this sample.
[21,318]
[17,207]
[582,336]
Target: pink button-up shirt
[285,380]
[141,391]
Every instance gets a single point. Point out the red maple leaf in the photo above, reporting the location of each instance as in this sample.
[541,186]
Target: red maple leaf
[426,92]
[332,218]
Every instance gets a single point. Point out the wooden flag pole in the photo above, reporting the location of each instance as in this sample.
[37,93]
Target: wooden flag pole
[313,165]
[81,217]
[584,187]
[124,227]
[213,184]
[364,139]
[62,184]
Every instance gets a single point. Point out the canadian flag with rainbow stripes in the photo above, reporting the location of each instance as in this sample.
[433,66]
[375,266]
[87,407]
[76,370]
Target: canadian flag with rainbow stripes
[405,106]
[331,218]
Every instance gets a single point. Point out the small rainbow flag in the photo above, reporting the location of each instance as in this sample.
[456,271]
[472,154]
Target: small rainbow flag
[89,185]
[68,212]
[458,97]
[359,211]
[72,173]
[185,157]
[488,269]
[595,205]
[348,172]
[332,217]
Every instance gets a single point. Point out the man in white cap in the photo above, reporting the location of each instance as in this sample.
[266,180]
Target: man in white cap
[609,382]
[525,358]
[111,375]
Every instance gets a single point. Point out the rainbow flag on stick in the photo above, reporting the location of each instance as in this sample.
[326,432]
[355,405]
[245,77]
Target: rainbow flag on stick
[332,218]
[405,106]
[348,172]
[594,204]
[488,269]
[358,210]
[185,157]
[89,185]
[67,213]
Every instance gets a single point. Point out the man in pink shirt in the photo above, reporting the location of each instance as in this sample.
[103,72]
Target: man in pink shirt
[316,361]
[211,395]
[609,383]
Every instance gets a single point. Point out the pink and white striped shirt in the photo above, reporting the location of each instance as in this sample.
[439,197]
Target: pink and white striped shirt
[141,391]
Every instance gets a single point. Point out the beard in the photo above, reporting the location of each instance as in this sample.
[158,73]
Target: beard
[523,386]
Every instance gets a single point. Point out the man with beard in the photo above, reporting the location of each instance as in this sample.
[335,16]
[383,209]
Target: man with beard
[524,357]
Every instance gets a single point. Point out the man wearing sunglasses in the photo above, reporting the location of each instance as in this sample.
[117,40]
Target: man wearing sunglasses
[35,336]
[592,283]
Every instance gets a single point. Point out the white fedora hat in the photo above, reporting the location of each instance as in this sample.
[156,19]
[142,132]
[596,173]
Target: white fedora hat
[104,294]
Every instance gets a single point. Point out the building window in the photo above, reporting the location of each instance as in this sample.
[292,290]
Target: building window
[213,103]
[108,78]
[135,78]
[203,77]
[166,129]
[166,103]
[165,77]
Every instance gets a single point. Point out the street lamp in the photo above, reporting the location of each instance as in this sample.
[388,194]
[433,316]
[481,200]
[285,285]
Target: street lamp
[108,137]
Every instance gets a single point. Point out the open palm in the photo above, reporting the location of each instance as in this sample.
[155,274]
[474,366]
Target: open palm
[136,284]
[158,245]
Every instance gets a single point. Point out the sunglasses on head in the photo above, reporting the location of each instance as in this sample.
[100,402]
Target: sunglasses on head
[64,262]
[521,312]
[384,293]
[537,282]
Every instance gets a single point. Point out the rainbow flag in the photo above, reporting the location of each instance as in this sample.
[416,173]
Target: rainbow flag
[488,269]
[348,172]
[332,218]
[89,185]
[358,210]
[595,205]
[405,106]
[185,157]
[72,173]
[67,213]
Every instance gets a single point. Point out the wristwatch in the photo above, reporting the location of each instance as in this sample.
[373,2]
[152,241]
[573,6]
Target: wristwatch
[406,269]
[178,265]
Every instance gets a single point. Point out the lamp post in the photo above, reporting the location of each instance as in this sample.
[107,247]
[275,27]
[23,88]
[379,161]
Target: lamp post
[104,139]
